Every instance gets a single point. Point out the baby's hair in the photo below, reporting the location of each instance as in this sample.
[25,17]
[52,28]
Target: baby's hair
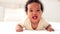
[31,1]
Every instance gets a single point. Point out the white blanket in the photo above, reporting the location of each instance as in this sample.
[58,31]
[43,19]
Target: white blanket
[10,27]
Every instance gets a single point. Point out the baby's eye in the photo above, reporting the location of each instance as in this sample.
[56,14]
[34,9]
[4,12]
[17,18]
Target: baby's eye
[38,10]
[31,10]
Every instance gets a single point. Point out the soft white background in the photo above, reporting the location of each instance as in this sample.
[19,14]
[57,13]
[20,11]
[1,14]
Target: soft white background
[12,12]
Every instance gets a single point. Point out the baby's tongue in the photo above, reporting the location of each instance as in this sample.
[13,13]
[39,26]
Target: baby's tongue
[34,17]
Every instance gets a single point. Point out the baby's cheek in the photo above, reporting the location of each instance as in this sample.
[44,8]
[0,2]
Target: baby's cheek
[29,16]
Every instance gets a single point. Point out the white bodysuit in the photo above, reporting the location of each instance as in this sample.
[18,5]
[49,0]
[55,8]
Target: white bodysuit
[41,26]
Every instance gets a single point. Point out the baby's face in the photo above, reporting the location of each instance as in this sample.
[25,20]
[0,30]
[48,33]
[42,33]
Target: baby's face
[34,12]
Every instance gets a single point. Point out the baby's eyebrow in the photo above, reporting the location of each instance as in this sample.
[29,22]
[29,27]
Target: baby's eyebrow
[34,8]
[30,8]
[38,9]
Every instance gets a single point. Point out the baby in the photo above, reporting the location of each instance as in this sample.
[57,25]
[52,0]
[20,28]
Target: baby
[34,10]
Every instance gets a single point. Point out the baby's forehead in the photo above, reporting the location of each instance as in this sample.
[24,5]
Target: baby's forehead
[34,5]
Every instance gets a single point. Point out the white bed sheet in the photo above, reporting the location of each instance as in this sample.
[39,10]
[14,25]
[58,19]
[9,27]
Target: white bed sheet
[10,27]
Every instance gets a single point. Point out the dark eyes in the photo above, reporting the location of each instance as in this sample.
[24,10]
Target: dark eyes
[35,10]
[38,10]
[31,10]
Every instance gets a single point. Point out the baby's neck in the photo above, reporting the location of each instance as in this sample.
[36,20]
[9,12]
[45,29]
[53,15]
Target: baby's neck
[34,23]
[34,26]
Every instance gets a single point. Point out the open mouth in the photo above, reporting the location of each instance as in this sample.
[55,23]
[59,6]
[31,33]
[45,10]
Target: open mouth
[35,17]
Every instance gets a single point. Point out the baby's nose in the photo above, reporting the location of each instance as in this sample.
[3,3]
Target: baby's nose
[34,13]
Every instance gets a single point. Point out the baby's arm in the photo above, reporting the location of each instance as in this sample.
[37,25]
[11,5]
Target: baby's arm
[49,28]
[19,28]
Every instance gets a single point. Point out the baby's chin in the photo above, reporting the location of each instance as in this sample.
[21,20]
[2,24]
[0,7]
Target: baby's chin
[34,21]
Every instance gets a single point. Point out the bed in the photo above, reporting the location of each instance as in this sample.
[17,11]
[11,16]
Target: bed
[10,27]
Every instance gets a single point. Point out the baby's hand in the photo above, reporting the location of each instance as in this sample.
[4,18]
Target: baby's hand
[49,28]
[19,28]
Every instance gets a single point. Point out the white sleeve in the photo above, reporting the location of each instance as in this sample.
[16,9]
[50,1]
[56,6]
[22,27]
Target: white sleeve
[45,24]
[21,23]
